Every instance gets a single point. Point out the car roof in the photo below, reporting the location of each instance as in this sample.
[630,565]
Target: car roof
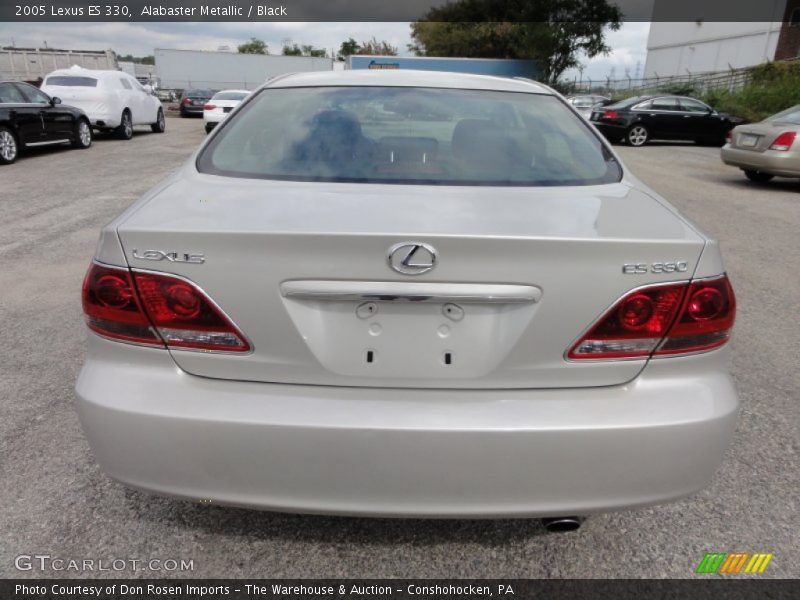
[77,71]
[407,78]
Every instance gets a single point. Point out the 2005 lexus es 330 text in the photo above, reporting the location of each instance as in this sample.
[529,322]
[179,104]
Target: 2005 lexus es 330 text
[407,293]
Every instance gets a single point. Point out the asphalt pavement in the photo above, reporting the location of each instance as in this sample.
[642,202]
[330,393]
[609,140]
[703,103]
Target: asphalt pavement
[56,502]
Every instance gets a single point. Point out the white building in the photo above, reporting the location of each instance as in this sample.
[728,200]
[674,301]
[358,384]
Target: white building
[696,47]
[182,69]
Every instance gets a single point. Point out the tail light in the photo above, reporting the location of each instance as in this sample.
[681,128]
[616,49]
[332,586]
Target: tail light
[784,141]
[609,114]
[187,101]
[729,137]
[156,309]
[675,318]
[209,107]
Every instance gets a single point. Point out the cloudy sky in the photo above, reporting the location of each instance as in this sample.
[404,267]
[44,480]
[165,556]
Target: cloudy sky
[628,44]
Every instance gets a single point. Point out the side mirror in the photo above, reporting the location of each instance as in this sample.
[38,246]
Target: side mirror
[55,100]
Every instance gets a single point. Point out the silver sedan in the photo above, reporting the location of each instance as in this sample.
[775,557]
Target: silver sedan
[766,149]
[408,294]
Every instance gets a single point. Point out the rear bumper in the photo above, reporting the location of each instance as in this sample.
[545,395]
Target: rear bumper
[784,164]
[213,117]
[192,110]
[104,120]
[612,132]
[391,452]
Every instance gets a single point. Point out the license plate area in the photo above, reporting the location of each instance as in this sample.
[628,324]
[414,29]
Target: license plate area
[747,140]
[415,337]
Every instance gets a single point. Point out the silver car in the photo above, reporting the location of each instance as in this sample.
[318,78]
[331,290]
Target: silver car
[584,103]
[409,294]
[766,149]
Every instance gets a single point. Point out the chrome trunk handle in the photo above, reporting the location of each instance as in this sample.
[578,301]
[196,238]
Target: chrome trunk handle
[401,291]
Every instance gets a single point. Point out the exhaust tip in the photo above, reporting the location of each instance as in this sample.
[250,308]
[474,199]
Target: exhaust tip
[561,524]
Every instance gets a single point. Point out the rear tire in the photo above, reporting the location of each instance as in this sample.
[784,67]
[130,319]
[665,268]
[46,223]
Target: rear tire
[161,124]
[637,135]
[82,138]
[757,176]
[9,147]
[125,129]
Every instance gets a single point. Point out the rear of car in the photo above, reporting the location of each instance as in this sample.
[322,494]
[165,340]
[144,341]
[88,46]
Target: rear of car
[91,91]
[585,104]
[221,105]
[614,120]
[766,149]
[407,294]
[193,101]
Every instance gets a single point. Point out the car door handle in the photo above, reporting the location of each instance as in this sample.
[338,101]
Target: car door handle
[401,291]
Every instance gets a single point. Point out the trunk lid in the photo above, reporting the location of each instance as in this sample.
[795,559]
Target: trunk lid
[302,270]
[758,136]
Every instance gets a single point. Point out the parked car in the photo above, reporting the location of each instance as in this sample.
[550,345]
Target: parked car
[337,307]
[220,105]
[766,149]
[113,100]
[584,103]
[193,101]
[29,117]
[640,119]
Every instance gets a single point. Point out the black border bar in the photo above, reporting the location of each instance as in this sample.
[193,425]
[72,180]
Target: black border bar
[368,10]
[713,586]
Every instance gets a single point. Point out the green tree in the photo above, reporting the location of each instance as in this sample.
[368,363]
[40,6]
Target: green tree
[293,50]
[254,46]
[377,48]
[348,48]
[554,33]
[142,60]
[304,50]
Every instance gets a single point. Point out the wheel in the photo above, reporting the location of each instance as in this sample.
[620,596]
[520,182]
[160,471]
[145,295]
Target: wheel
[8,146]
[83,135]
[637,135]
[125,129]
[161,123]
[757,176]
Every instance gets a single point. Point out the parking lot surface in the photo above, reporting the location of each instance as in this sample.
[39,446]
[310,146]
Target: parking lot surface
[55,501]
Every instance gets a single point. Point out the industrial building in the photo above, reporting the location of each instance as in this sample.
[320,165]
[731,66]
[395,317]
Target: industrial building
[185,69]
[697,46]
[32,64]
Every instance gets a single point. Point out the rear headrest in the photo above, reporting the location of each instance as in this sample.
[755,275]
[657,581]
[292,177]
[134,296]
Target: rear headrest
[484,145]
[338,125]
[396,149]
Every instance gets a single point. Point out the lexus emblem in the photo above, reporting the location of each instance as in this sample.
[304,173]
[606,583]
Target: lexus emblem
[412,258]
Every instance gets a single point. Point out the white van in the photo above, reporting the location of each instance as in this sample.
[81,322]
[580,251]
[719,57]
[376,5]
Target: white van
[113,100]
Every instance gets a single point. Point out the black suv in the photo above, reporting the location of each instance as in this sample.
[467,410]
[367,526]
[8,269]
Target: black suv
[642,118]
[29,117]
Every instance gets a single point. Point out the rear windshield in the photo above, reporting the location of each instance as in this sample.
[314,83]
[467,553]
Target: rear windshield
[409,135]
[790,115]
[198,94]
[71,81]
[230,96]
[584,102]
[627,102]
